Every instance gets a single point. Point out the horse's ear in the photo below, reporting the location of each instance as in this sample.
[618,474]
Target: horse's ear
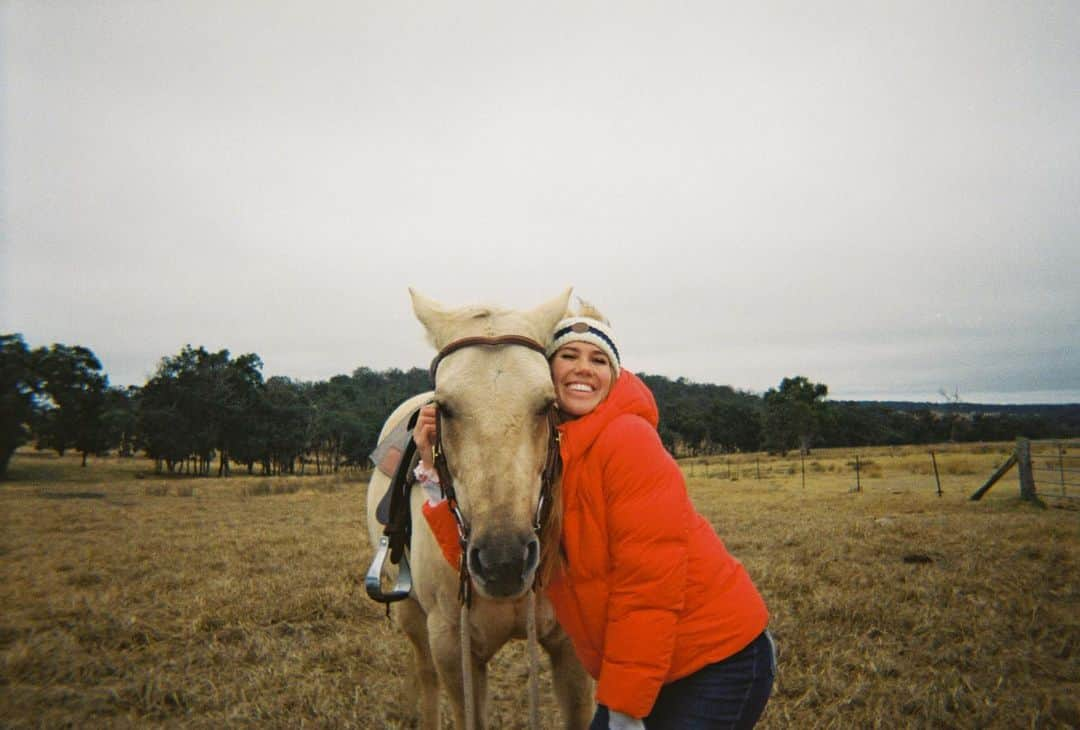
[548,314]
[431,314]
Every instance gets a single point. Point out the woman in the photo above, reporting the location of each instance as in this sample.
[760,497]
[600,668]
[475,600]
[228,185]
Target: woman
[663,617]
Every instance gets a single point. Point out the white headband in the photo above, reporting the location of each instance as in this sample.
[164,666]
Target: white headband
[586,329]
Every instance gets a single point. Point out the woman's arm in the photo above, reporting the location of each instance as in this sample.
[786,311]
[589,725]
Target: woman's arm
[424,435]
[648,519]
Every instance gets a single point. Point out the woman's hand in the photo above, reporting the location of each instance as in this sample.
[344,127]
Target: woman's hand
[619,721]
[424,435]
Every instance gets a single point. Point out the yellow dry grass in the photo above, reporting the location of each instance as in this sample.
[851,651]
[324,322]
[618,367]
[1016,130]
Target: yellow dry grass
[205,603]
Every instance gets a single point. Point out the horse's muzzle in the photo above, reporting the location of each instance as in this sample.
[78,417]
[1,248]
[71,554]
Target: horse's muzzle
[502,566]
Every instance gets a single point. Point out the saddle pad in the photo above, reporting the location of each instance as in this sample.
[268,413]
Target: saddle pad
[387,458]
[387,453]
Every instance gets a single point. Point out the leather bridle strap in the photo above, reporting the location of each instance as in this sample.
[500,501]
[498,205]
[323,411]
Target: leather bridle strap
[488,341]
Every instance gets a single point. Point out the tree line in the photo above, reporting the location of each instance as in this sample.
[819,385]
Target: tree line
[206,412]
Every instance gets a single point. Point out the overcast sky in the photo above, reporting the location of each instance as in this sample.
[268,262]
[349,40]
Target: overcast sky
[881,196]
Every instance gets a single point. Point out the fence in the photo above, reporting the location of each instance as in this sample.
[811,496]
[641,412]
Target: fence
[1055,471]
[1038,465]
[897,467]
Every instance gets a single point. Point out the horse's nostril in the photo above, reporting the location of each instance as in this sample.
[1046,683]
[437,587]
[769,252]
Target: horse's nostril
[532,555]
[475,561]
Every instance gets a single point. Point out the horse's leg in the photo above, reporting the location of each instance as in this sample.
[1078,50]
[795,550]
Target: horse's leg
[445,642]
[411,618]
[445,647]
[573,685]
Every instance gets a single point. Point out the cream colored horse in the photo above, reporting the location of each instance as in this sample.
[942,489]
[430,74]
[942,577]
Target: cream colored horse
[492,404]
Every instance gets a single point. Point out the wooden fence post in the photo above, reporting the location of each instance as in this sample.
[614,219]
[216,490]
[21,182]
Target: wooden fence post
[1061,467]
[936,477]
[802,458]
[858,481]
[1027,478]
[1009,464]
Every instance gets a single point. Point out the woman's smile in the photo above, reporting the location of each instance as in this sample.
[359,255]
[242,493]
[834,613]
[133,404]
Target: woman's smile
[582,376]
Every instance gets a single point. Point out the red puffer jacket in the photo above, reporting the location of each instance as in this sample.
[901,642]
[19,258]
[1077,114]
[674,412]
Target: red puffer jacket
[649,593]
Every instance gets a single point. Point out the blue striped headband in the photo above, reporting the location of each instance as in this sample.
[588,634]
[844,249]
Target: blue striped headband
[586,329]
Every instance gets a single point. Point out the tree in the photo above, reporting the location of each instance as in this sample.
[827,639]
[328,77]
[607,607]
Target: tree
[18,385]
[119,423]
[74,388]
[199,404]
[794,414]
[289,419]
[734,426]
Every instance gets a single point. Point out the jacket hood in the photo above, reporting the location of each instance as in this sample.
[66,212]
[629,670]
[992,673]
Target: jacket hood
[628,396]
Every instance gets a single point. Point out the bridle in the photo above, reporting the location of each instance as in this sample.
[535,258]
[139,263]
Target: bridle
[552,462]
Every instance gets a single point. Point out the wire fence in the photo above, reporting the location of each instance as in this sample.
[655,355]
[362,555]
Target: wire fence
[1055,466]
[899,467]
[1050,469]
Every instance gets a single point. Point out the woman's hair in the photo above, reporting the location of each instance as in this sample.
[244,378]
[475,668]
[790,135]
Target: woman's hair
[587,309]
[597,332]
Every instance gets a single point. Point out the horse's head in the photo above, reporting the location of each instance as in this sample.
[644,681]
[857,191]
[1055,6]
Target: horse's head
[493,406]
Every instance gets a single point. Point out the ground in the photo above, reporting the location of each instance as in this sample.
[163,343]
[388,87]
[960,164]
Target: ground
[130,599]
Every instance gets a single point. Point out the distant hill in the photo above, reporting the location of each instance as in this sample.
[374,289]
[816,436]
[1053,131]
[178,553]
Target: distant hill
[1035,409]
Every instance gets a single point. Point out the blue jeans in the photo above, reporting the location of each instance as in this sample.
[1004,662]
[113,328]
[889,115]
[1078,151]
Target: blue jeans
[728,695]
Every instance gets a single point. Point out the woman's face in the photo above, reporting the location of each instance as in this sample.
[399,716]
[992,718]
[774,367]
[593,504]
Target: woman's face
[582,376]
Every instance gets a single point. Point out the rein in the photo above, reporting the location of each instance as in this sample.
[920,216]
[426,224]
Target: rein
[548,476]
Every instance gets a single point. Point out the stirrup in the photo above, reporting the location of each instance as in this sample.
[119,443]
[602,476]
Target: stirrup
[373,579]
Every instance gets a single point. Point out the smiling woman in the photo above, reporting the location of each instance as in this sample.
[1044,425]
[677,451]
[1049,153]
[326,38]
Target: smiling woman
[664,618]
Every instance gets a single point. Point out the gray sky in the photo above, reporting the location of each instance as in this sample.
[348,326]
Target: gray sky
[881,196]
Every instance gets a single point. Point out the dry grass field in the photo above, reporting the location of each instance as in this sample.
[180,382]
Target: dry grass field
[152,602]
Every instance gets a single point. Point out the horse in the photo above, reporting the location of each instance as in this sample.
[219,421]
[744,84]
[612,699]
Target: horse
[493,404]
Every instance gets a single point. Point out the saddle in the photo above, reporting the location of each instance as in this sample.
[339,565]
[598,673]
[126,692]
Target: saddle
[396,457]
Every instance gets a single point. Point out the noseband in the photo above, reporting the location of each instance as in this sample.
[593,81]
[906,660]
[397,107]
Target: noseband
[550,472]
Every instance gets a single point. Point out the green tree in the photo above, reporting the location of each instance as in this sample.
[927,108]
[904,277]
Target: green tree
[200,404]
[793,414]
[18,385]
[289,415]
[118,419]
[74,388]
[734,426]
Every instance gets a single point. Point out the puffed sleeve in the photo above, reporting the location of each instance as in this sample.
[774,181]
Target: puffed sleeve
[648,519]
[443,526]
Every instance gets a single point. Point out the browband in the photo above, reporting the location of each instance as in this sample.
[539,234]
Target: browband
[481,340]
